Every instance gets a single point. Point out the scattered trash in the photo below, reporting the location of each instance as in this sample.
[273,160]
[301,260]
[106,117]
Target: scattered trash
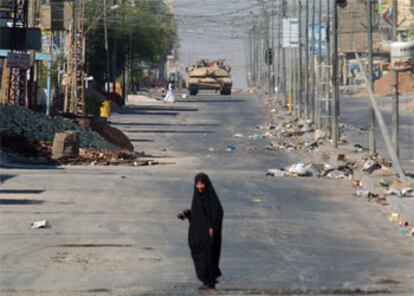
[404,192]
[257,200]
[394,217]
[384,182]
[410,232]
[320,135]
[370,165]
[211,149]
[299,169]
[230,148]
[256,137]
[238,135]
[359,148]
[41,224]
[275,172]
[403,223]
[366,194]
[356,183]
[341,157]
[403,230]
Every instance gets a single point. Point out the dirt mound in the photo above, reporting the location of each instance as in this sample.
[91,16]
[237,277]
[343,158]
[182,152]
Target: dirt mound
[383,86]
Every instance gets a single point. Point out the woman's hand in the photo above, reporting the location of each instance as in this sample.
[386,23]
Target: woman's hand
[210,232]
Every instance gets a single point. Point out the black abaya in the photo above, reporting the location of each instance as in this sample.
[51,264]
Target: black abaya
[206,212]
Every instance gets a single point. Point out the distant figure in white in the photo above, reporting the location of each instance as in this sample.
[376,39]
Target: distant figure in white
[169,97]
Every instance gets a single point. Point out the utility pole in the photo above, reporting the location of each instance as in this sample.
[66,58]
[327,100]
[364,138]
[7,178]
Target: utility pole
[74,103]
[313,66]
[273,48]
[395,98]
[114,56]
[306,109]
[318,119]
[284,76]
[327,57]
[108,75]
[371,136]
[300,68]
[335,85]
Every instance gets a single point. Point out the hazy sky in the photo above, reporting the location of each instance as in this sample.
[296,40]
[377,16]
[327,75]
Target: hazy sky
[215,29]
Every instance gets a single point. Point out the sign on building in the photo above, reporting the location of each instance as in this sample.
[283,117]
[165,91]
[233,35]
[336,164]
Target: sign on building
[290,33]
[402,56]
[317,37]
[19,60]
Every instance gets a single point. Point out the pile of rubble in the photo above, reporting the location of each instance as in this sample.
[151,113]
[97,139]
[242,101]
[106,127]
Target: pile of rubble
[107,158]
[38,128]
[34,138]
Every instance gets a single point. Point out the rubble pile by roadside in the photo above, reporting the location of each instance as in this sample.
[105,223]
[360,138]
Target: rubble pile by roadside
[34,138]
[37,128]
[107,158]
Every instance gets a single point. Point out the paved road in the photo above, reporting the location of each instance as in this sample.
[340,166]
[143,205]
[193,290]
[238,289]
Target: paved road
[114,230]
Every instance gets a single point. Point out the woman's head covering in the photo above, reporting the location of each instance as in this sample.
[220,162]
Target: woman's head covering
[201,177]
[206,205]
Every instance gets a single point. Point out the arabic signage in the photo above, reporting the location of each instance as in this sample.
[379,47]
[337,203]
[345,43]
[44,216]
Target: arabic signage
[290,33]
[317,37]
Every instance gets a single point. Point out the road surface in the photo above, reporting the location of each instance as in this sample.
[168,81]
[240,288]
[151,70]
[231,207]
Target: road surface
[114,229]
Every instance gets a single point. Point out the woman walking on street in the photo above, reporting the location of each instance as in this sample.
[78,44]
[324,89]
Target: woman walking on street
[204,236]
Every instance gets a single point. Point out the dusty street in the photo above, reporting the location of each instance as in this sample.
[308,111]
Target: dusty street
[114,229]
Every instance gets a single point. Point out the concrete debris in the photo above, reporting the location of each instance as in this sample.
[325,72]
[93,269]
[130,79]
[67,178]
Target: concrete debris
[107,158]
[65,144]
[38,128]
[112,135]
[41,224]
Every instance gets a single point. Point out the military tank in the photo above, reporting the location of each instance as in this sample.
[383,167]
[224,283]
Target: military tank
[209,75]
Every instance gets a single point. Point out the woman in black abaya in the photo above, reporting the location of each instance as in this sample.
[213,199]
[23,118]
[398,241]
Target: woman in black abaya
[204,236]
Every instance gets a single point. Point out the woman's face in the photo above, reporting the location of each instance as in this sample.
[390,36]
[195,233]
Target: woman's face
[200,186]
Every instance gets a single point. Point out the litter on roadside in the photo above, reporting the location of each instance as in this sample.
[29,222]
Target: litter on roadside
[384,182]
[403,192]
[230,148]
[394,217]
[275,173]
[257,137]
[238,135]
[366,194]
[41,224]
[356,183]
